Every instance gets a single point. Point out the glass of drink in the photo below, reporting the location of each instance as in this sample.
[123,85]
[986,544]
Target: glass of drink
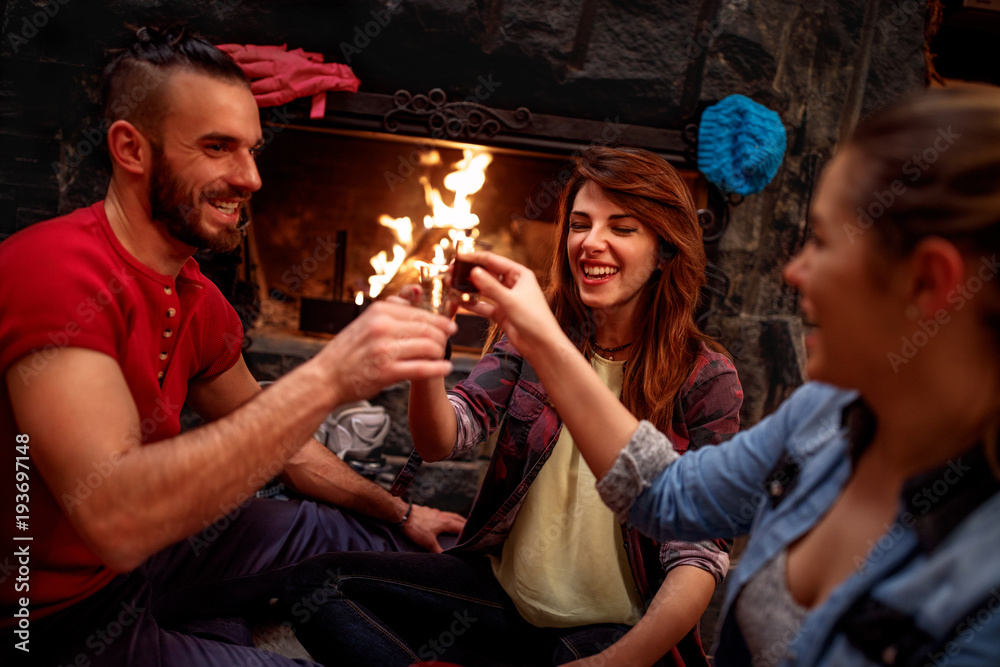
[435,295]
[460,273]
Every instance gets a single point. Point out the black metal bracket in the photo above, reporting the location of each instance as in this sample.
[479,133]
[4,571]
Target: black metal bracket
[432,117]
[461,121]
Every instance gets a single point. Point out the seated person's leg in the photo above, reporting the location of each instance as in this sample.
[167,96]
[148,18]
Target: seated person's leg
[397,609]
[116,626]
[233,567]
[588,640]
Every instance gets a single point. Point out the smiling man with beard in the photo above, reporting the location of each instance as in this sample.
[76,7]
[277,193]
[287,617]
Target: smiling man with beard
[170,206]
[100,347]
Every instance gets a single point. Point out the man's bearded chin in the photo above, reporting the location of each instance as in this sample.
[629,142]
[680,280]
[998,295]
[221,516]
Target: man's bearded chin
[177,211]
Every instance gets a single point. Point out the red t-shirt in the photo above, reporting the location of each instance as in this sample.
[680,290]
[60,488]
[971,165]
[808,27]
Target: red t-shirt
[68,282]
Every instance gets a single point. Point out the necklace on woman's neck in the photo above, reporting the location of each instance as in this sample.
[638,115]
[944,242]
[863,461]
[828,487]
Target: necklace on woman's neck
[608,353]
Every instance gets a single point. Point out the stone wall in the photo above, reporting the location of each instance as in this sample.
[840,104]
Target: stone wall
[819,65]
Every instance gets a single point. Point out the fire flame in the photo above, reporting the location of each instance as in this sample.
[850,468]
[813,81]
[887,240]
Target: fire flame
[385,269]
[467,179]
[403,228]
[439,253]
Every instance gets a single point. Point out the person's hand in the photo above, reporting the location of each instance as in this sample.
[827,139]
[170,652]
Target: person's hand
[516,301]
[413,295]
[278,76]
[389,342]
[408,294]
[426,523]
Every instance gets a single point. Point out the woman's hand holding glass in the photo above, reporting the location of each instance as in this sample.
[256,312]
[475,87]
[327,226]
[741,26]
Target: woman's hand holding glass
[513,299]
[515,302]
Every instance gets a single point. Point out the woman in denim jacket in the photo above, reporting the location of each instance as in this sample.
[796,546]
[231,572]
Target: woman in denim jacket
[543,574]
[871,495]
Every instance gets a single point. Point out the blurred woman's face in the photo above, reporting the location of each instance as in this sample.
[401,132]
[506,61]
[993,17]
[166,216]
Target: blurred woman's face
[611,254]
[854,320]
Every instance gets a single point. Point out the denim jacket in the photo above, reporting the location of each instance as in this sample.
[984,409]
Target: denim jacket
[503,392]
[928,592]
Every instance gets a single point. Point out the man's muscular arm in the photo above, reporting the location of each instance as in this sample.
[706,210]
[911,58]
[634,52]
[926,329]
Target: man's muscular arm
[318,473]
[80,412]
[312,470]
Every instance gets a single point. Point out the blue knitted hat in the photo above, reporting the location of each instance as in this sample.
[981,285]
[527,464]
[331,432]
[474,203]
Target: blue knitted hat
[740,145]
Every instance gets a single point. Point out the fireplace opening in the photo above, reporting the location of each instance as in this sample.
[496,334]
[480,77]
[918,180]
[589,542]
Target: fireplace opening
[335,190]
[345,215]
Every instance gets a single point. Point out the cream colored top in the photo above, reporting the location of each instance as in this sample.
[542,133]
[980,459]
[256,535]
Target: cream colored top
[564,563]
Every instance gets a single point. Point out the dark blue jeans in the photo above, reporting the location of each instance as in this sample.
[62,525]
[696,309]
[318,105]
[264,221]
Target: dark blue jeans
[395,609]
[167,612]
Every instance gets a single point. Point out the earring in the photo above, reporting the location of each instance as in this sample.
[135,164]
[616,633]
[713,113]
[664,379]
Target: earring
[911,312]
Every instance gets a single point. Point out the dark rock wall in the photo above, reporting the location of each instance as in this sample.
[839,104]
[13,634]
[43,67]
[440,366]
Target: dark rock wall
[648,63]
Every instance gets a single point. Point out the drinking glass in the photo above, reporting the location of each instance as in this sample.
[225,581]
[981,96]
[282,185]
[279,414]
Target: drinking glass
[436,296]
[460,273]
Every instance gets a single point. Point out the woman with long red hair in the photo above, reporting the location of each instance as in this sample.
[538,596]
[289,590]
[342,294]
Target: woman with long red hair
[870,496]
[542,565]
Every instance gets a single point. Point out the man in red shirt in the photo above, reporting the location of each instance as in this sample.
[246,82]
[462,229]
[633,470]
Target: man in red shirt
[126,528]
